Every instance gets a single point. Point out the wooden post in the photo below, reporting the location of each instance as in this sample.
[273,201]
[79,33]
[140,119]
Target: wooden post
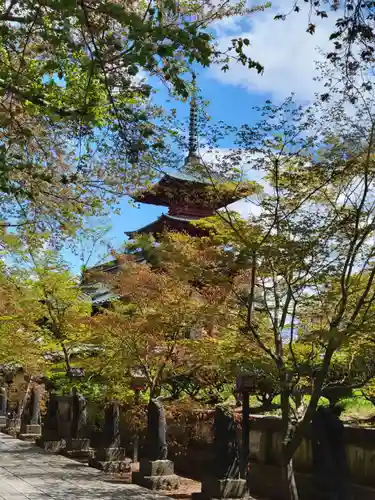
[245,433]
[138,383]
[136,437]
[245,386]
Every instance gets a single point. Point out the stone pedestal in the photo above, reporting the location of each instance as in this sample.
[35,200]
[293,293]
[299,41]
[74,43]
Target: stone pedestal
[110,454]
[3,421]
[28,437]
[229,489]
[110,460]
[156,475]
[53,444]
[32,432]
[33,429]
[77,448]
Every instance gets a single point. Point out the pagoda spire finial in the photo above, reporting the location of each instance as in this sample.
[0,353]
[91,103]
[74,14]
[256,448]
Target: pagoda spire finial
[193,129]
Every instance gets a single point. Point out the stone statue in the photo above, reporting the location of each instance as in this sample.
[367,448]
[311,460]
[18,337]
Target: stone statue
[330,466]
[156,430]
[3,401]
[50,421]
[35,407]
[112,425]
[52,410]
[226,444]
[79,414]
[26,412]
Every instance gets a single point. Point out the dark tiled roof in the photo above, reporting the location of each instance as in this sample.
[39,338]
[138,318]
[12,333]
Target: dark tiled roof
[184,176]
[163,219]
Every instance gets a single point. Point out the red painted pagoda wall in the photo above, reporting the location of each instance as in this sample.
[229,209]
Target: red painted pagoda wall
[189,211]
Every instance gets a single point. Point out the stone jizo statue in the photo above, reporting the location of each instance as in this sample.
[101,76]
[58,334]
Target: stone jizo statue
[35,407]
[79,414]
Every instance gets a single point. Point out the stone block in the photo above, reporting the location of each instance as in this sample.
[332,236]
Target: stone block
[110,454]
[33,429]
[156,468]
[3,421]
[52,445]
[28,437]
[156,475]
[78,444]
[114,466]
[77,448]
[213,488]
[85,454]
[202,496]
[167,483]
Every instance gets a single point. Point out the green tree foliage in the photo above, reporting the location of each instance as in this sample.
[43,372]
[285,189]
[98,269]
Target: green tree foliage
[173,319]
[94,47]
[20,342]
[305,288]
[19,335]
[64,313]
[76,124]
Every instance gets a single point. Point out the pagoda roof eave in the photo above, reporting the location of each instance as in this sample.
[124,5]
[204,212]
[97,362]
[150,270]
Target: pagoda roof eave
[166,222]
[160,193]
[155,194]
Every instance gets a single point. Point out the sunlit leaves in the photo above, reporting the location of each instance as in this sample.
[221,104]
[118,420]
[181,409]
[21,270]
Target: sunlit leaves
[19,337]
[76,123]
[172,316]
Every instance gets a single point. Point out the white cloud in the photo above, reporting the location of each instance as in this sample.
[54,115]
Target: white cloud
[287,52]
[225,26]
[247,206]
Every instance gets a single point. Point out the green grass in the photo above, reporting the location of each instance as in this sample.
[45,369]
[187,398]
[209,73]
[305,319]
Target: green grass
[356,409]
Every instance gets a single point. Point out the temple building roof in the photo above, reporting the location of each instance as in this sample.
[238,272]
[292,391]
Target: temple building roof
[179,189]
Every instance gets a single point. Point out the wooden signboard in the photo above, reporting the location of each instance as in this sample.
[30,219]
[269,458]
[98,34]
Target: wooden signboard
[245,383]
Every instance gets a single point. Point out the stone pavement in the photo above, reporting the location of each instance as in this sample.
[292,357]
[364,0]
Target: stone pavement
[29,473]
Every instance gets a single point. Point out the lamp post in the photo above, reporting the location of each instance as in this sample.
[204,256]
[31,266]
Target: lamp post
[138,382]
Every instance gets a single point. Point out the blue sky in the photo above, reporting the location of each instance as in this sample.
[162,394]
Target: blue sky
[288,54]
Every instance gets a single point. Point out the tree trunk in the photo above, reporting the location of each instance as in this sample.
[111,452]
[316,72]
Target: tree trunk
[290,480]
[155,392]
[287,453]
[67,363]
[24,405]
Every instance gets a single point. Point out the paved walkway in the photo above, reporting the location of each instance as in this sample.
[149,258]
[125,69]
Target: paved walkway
[29,473]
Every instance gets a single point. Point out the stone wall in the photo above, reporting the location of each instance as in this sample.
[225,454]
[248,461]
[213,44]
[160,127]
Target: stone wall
[190,447]
[190,439]
[265,446]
